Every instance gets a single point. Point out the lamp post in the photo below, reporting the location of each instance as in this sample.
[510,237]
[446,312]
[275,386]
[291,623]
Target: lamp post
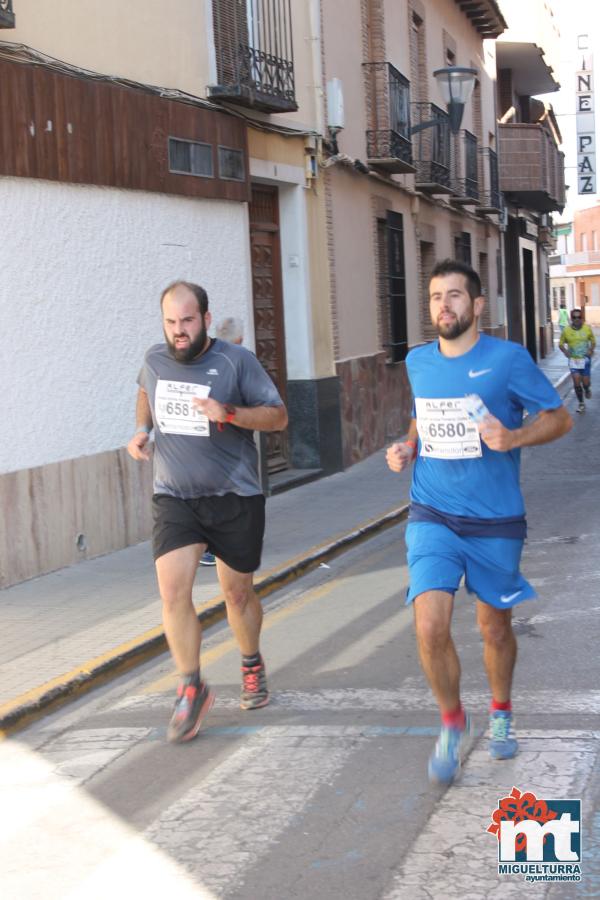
[456,86]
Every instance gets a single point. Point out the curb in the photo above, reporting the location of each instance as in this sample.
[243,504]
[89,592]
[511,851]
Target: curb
[23,711]
[562,380]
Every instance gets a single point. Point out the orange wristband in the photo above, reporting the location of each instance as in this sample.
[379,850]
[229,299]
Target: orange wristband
[414,448]
[229,417]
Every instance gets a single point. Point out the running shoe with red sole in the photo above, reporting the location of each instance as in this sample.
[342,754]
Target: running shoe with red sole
[254,687]
[192,704]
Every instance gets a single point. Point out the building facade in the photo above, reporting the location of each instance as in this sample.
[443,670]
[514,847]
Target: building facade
[398,198]
[531,166]
[575,269]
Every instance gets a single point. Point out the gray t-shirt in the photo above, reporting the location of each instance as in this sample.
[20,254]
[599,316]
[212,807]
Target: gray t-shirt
[192,458]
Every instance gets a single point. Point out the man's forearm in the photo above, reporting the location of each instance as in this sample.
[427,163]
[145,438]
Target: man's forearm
[143,413]
[261,418]
[413,434]
[547,426]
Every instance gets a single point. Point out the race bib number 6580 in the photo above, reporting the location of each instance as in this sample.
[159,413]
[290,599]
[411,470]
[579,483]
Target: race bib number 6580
[445,429]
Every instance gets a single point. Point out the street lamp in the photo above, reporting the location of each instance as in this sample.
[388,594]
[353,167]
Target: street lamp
[456,86]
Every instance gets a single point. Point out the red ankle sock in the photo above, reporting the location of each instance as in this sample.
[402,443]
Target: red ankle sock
[495,704]
[454,719]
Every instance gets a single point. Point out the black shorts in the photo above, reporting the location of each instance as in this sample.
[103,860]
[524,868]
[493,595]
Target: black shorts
[231,526]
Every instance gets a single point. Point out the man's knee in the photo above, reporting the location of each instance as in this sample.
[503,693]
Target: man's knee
[237,596]
[175,598]
[432,624]
[496,632]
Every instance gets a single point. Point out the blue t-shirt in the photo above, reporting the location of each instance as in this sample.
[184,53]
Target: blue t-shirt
[457,473]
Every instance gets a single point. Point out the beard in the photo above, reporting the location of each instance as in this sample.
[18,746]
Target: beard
[452,330]
[194,349]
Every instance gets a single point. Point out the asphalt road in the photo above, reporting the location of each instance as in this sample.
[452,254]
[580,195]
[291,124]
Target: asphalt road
[323,795]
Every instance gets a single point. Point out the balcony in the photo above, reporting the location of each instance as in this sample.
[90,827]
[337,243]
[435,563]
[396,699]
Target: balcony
[465,175]
[582,258]
[254,54]
[7,16]
[529,70]
[531,167]
[490,202]
[431,149]
[388,115]
[485,16]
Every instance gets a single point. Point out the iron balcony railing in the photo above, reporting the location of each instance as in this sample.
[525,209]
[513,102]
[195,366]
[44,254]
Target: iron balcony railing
[471,179]
[7,16]
[388,116]
[431,149]
[489,200]
[254,54]
[465,180]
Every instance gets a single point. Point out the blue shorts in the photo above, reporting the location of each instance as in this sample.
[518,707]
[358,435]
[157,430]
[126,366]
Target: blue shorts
[438,559]
[585,372]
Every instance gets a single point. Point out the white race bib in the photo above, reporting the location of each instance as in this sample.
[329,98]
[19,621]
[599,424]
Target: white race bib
[174,411]
[445,429]
[575,363]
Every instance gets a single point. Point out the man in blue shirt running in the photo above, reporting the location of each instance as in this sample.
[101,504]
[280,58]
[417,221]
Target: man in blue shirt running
[467,516]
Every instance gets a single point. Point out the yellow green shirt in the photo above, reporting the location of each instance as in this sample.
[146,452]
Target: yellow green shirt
[579,340]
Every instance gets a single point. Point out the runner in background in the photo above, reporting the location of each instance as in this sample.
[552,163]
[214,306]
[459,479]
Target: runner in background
[563,315]
[230,329]
[578,343]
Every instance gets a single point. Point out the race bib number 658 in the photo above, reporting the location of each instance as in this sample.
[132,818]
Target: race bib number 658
[445,429]
[174,410]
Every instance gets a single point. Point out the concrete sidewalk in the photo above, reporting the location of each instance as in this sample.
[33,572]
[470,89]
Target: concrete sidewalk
[66,632]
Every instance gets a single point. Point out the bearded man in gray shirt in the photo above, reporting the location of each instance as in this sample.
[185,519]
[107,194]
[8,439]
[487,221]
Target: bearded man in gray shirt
[204,398]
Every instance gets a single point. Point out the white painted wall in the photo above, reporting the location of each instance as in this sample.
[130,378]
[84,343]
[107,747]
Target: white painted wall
[295,264]
[82,272]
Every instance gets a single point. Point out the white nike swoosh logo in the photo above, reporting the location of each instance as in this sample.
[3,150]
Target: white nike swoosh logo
[510,597]
[474,374]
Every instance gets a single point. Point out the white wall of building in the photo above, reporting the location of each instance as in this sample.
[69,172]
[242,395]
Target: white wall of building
[82,272]
[574,18]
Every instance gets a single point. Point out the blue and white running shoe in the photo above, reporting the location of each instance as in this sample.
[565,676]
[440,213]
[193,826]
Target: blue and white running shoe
[451,748]
[503,743]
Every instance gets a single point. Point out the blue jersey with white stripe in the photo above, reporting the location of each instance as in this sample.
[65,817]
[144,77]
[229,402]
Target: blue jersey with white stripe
[508,382]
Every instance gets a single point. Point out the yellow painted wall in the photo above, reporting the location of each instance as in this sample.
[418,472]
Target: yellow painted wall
[143,40]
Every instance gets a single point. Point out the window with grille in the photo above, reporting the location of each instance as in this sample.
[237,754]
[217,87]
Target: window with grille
[254,54]
[190,158]
[462,247]
[231,164]
[499,272]
[486,317]
[392,286]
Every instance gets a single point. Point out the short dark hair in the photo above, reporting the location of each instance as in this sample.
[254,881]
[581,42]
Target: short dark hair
[456,266]
[198,292]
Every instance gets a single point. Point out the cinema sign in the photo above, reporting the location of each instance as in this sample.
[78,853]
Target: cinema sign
[586,126]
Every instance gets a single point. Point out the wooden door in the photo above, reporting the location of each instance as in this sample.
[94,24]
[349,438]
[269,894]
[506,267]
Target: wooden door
[267,293]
